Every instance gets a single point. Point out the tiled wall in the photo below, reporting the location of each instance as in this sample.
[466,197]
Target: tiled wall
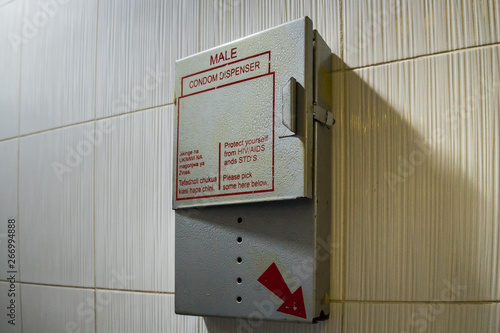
[86,112]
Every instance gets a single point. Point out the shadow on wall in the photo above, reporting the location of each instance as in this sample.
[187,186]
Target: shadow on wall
[417,202]
[417,226]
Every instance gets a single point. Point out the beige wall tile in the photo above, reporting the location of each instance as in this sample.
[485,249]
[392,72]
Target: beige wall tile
[386,30]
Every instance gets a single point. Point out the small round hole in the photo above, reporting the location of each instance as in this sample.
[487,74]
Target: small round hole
[238,299]
[240,220]
[239,239]
[239,280]
[239,259]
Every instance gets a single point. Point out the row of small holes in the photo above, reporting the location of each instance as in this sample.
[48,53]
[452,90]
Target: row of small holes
[239,280]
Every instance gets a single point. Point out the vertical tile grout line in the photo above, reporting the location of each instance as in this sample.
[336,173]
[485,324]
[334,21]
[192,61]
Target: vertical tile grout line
[342,169]
[94,233]
[20,76]
[23,8]
[343,187]
[95,65]
[18,234]
[94,162]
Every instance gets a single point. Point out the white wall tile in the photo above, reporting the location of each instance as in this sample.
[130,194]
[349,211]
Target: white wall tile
[257,324]
[134,218]
[8,206]
[56,206]
[58,63]
[222,21]
[57,309]
[384,30]
[127,312]
[421,317]
[187,25]
[138,44]
[10,66]
[422,172]
[10,321]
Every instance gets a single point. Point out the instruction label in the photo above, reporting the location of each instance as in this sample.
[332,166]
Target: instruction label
[225,130]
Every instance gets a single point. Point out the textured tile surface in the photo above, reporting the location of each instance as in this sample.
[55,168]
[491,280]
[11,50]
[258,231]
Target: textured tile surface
[137,46]
[423,161]
[10,66]
[257,324]
[56,206]
[10,322]
[415,171]
[413,318]
[8,206]
[137,312]
[222,21]
[134,218]
[58,63]
[384,30]
[187,22]
[56,309]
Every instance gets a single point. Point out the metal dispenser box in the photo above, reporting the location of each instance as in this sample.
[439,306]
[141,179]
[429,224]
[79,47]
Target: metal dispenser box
[252,184]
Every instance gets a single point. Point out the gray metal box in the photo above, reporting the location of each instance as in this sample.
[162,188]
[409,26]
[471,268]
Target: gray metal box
[230,107]
[252,183]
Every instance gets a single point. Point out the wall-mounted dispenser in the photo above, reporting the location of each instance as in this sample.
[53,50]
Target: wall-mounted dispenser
[252,177]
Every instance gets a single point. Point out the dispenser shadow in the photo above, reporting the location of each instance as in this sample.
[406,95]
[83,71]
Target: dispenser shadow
[413,222]
[412,217]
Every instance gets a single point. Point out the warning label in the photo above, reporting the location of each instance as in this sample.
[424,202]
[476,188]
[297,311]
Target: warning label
[225,137]
[242,152]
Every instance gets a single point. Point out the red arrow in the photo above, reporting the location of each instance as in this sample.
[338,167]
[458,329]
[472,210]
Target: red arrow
[293,303]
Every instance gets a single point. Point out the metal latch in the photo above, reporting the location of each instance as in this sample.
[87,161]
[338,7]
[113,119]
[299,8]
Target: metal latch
[323,116]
